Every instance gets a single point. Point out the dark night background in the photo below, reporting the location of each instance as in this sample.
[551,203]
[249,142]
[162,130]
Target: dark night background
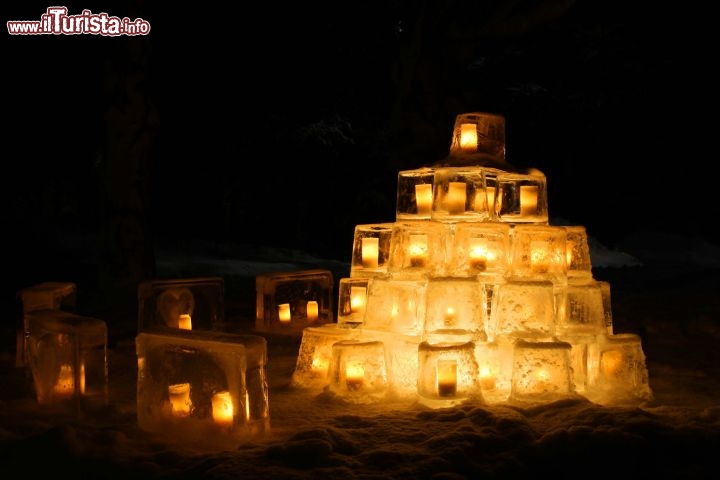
[285,126]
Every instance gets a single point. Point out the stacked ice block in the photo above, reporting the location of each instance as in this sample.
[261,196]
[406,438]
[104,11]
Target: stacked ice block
[197,381]
[471,295]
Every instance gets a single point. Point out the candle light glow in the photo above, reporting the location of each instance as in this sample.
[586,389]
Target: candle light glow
[312,310]
[456,197]
[487,378]
[354,375]
[528,200]
[65,384]
[222,409]
[284,313]
[478,254]
[185,322]
[423,198]
[358,298]
[180,399]
[468,137]
[447,377]
[370,252]
[418,250]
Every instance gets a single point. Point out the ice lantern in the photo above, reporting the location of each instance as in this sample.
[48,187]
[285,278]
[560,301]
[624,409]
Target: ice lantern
[288,302]
[185,304]
[203,386]
[67,356]
[482,299]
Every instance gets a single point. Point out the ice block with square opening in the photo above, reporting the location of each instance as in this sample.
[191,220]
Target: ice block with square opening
[288,302]
[186,304]
[67,356]
[415,194]
[371,249]
[205,386]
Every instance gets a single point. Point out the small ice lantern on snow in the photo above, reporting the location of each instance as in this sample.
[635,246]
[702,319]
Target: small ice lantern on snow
[211,386]
[67,356]
[288,302]
[185,304]
[617,371]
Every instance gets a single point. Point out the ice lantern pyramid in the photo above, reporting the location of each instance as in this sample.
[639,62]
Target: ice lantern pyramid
[472,296]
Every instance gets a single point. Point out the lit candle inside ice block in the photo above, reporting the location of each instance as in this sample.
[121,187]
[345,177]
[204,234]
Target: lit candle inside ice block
[65,384]
[319,366]
[528,200]
[456,197]
[487,377]
[478,254]
[446,377]
[370,252]
[418,250]
[541,380]
[354,375]
[450,316]
[358,299]
[312,310]
[222,409]
[284,313]
[611,362]
[423,198]
[180,399]
[185,322]
[539,257]
[468,137]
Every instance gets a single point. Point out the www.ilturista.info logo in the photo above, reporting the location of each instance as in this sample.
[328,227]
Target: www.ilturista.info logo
[56,21]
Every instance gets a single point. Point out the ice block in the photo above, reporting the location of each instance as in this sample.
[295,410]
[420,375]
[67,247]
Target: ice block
[415,194]
[288,302]
[188,303]
[371,249]
[617,371]
[67,356]
[542,372]
[204,386]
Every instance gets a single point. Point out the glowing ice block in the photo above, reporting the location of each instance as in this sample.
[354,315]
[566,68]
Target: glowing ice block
[187,304]
[283,300]
[617,371]
[315,353]
[203,386]
[67,356]
[541,372]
